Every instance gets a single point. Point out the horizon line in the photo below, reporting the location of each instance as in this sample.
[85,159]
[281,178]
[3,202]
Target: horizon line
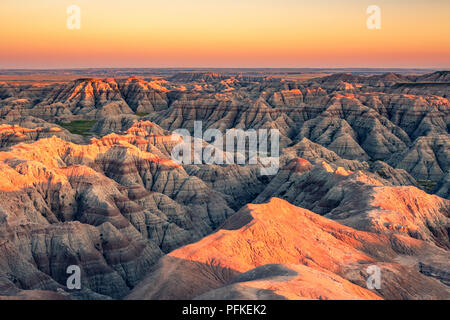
[225,68]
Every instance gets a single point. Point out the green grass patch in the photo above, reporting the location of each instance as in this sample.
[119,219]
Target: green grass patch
[142,114]
[81,127]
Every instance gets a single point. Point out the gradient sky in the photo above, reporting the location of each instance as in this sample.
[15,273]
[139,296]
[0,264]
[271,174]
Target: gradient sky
[232,33]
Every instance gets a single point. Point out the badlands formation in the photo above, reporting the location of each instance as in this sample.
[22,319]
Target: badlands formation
[364,181]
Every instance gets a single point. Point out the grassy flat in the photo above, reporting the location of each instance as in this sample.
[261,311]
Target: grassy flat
[81,127]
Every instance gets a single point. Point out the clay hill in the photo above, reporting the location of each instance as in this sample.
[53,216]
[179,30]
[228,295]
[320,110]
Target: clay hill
[87,179]
[276,250]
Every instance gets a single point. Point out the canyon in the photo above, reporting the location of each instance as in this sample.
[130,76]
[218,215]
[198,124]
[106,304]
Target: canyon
[87,178]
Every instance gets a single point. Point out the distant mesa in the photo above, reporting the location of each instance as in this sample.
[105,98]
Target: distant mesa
[197,76]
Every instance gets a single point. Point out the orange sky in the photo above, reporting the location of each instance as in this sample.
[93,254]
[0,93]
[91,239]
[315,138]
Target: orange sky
[233,33]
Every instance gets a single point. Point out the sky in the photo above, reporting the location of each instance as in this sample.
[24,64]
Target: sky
[232,33]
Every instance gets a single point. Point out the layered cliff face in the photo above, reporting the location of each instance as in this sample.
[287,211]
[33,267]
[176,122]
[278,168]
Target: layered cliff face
[143,96]
[363,202]
[29,129]
[107,206]
[427,159]
[363,180]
